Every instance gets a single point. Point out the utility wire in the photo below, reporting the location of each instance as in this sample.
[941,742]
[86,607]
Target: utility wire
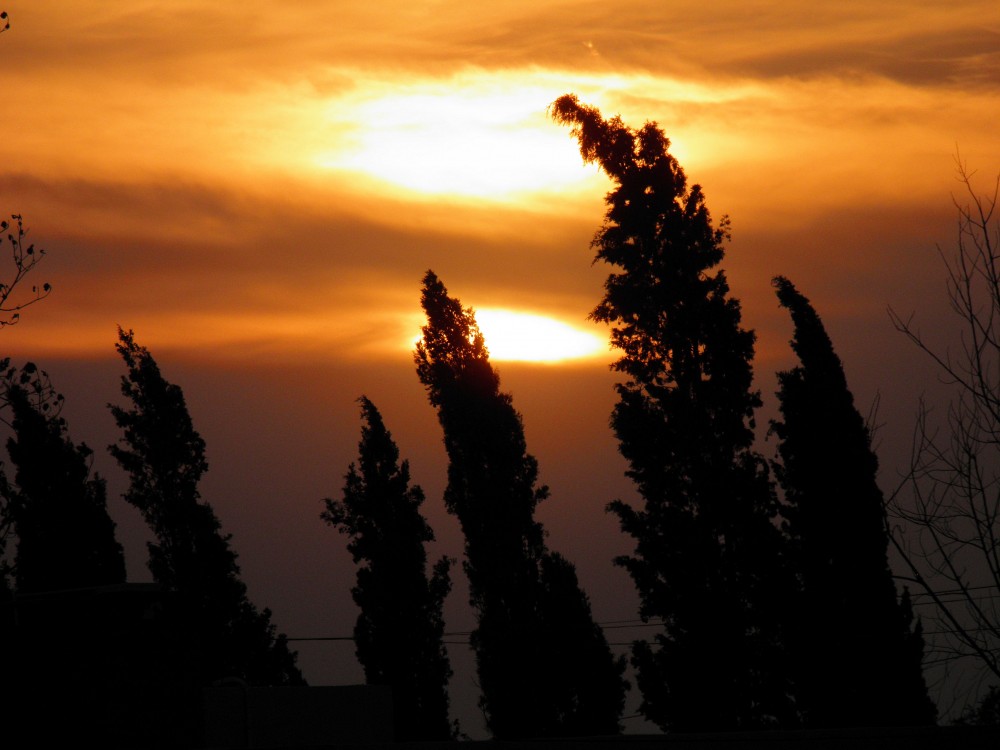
[615,624]
[609,625]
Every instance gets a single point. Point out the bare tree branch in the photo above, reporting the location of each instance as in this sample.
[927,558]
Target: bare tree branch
[25,257]
[945,513]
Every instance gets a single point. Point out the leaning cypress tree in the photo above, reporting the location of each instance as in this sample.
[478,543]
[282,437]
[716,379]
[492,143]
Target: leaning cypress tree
[858,658]
[60,643]
[56,507]
[164,456]
[707,560]
[398,634]
[545,668]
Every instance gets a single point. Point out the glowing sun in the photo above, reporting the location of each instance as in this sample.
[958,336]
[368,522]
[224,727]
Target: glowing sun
[469,136]
[525,337]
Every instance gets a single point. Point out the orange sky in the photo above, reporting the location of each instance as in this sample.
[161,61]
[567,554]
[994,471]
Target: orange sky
[257,190]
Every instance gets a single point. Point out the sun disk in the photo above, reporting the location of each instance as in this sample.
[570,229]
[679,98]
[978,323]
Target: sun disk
[526,337]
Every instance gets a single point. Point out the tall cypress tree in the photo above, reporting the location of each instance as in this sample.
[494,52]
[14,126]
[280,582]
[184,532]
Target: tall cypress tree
[398,634]
[707,559]
[859,657]
[190,556]
[544,666]
[63,642]
[57,508]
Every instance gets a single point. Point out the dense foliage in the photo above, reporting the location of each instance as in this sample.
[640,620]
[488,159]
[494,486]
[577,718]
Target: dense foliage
[56,507]
[544,666]
[707,560]
[847,675]
[398,634]
[190,556]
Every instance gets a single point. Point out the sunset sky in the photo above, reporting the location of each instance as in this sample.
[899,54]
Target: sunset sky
[257,189]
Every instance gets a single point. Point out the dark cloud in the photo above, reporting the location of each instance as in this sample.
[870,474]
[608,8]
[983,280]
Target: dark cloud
[242,46]
[175,254]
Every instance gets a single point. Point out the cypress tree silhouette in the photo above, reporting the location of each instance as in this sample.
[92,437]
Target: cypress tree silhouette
[56,508]
[398,634]
[191,558]
[708,557]
[545,668]
[54,628]
[859,660]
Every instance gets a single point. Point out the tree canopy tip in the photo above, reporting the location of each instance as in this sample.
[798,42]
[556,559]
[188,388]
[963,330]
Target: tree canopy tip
[780,282]
[560,109]
[786,291]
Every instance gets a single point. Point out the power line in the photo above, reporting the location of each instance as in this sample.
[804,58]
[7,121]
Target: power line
[608,625]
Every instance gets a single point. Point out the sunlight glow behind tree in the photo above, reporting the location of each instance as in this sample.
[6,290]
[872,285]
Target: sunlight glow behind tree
[481,135]
[528,337]
[486,142]
[525,337]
